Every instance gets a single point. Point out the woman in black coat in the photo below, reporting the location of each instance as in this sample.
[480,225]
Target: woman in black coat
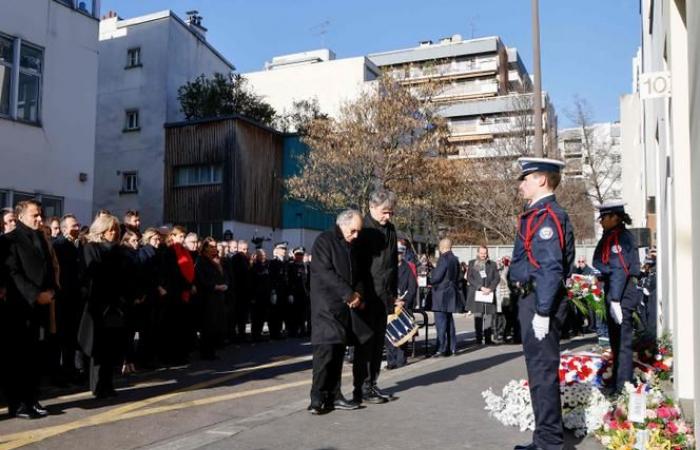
[211,293]
[482,276]
[149,263]
[136,315]
[103,332]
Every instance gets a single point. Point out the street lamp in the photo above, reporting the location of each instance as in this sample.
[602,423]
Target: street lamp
[538,78]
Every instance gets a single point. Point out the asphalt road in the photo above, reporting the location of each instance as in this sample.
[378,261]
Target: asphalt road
[255,397]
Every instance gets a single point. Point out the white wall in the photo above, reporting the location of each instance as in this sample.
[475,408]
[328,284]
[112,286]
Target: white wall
[633,161]
[49,158]
[332,83]
[171,55]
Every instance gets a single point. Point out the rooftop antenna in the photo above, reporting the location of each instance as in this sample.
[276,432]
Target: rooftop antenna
[321,29]
[472,25]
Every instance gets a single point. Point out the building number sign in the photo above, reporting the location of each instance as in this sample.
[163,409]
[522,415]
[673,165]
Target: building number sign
[655,85]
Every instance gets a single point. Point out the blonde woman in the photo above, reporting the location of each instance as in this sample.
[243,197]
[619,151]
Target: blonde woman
[102,334]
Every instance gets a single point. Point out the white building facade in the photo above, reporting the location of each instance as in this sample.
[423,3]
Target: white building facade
[143,62]
[312,75]
[657,131]
[594,155]
[48,92]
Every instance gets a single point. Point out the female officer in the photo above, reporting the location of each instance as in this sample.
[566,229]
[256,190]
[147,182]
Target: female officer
[617,259]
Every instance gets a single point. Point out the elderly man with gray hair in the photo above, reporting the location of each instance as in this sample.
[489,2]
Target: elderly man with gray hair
[377,253]
[335,292]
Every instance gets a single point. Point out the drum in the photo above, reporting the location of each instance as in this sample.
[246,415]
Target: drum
[400,328]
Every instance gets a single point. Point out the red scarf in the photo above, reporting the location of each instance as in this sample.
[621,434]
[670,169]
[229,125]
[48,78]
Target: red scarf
[186,265]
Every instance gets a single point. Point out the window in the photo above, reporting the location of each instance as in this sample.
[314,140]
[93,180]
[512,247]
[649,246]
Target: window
[133,57]
[30,67]
[20,90]
[88,7]
[4,199]
[6,60]
[197,175]
[132,120]
[130,182]
[51,206]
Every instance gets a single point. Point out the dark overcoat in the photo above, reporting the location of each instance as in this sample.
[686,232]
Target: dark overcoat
[476,282]
[212,302]
[444,280]
[334,280]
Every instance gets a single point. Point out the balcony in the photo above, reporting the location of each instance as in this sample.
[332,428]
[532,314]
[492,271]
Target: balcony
[447,71]
[463,91]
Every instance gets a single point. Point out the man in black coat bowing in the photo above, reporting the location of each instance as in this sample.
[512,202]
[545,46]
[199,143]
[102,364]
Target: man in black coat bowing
[334,293]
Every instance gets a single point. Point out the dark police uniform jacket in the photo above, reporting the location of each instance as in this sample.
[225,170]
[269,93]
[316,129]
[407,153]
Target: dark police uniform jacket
[543,255]
[334,280]
[617,260]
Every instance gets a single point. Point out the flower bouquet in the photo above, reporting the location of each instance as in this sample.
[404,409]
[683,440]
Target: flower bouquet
[662,427]
[585,293]
[654,357]
[583,406]
[585,367]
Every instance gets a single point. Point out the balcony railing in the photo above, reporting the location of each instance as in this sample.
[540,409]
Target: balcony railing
[445,70]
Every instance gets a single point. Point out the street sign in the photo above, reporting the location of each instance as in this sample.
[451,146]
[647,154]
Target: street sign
[654,85]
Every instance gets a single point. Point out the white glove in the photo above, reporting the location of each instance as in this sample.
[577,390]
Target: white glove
[540,325]
[616,311]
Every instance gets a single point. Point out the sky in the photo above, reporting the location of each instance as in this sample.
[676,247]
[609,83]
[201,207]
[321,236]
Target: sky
[587,45]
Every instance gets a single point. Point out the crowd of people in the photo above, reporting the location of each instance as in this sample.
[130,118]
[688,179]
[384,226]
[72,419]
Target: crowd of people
[81,304]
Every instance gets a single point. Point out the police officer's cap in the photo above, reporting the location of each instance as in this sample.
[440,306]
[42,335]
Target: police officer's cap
[299,251]
[530,165]
[612,207]
[282,245]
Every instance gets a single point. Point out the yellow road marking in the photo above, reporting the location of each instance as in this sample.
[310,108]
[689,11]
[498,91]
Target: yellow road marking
[27,437]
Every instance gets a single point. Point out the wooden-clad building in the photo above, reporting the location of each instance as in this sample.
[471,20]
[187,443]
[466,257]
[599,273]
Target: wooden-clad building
[223,173]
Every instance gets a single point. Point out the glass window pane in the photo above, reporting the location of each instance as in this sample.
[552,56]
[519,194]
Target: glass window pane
[5,75]
[22,196]
[30,58]
[4,199]
[51,206]
[217,174]
[28,98]
[6,50]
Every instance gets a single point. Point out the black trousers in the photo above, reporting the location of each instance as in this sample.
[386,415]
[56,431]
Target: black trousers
[368,356]
[20,352]
[483,327]
[621,344]
[542,360]
[327,369]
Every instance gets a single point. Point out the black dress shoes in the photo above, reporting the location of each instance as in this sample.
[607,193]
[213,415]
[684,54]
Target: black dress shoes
[317,410]
[346,405]
[376,396]
[29,412]
[530,446]
[40,409]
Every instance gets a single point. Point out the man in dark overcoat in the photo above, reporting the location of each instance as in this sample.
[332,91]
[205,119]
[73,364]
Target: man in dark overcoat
[444,280]
[482,276]
[70,300]
[334,293]
[377,249]
[31,285]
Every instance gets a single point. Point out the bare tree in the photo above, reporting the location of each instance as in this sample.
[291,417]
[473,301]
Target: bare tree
[483,202]
[387,138]
[598,164]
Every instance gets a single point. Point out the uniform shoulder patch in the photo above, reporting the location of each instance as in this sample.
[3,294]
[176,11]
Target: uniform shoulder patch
[546,233]
[616,249]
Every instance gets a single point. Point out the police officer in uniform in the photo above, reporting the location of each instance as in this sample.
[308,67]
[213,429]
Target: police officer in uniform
[279,297]
[298,296]
[543,257]
[617,260]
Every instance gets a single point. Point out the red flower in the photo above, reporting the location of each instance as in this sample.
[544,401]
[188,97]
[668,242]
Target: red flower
[596,292]
[570,294]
